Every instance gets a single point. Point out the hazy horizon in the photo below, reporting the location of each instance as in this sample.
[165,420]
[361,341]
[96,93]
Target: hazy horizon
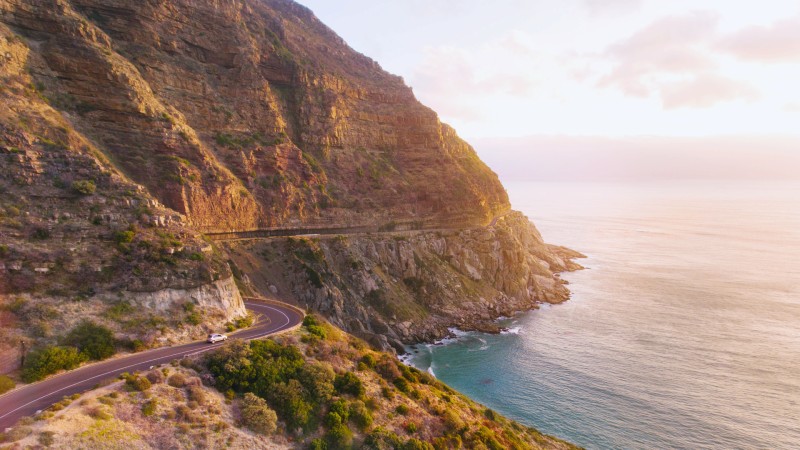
[641,158]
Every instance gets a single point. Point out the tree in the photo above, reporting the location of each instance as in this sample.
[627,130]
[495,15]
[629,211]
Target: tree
[257,415]
[95,341]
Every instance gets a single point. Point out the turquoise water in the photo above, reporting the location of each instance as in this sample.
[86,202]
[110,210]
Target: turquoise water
[684,331]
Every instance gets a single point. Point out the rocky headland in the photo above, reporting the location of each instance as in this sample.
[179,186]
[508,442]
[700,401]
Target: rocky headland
[133,132]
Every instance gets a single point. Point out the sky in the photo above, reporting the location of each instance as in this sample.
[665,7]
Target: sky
[692,74]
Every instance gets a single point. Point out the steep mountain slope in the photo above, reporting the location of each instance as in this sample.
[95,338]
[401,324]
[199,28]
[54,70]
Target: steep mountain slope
[248,114]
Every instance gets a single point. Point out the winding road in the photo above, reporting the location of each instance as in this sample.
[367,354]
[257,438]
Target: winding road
[29,399]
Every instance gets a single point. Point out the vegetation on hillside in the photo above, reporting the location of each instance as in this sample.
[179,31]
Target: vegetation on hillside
[316,388]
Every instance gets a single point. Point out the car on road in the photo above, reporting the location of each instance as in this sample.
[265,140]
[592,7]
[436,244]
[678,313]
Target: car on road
[216,337]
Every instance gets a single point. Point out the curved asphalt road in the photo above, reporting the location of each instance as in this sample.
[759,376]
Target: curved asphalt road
[29,399]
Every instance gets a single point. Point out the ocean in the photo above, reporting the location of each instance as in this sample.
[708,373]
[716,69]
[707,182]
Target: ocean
[683,331]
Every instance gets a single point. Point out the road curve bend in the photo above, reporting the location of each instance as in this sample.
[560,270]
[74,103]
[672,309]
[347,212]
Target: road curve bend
[27,400]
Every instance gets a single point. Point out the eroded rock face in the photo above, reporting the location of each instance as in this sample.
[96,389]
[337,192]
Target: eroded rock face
[247,114]
[222,295]
[410,287]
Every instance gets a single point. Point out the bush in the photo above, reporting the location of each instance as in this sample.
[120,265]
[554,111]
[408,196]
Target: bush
[309,320]
[349,383]
[94,341]
[360,415]
[416,444]
[48,360]
[47,438]
[381,438]
[402,385]
[257,415]
[387,368]
[368,360]
[124,237]
[401,409]
[197,394]
[318,444]
[6,384]
[136,382]
[149,408]
[339,437]
[177,380]
[84,187]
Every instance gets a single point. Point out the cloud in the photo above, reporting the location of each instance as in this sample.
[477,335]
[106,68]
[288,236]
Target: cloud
[451,77]
[602,7]
[671,58]
[779,42]
[669,45]
[703,91]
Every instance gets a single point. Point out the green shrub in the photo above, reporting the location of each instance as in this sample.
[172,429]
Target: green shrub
[318,444]
[257,415]
[349,383]
[84,187]
[6,384]
[95,341]
[318,331]
[149,408]
[402,385]
[339,437]
[416,444]
[124,237]
[360,415]
[401,409]
[310,319]
[381,438]
[368,360]
[48,360]
[136,382]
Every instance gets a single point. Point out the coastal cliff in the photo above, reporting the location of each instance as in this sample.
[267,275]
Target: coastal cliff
[406,287]
[134,134]
[133,127]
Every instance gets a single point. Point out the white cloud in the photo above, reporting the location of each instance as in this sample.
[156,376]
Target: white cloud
[671,58]
[778,42]
[703,91]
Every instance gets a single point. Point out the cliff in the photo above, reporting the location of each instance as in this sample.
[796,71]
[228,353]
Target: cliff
[132,131]
[404,287]
[248,114]
[132,127]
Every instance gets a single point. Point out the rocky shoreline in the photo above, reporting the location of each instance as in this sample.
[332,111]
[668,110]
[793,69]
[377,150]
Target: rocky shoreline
[405,288]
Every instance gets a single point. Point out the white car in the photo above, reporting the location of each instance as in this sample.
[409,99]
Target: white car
[216,337]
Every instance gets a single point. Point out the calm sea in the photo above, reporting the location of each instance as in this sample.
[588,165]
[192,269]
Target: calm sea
[683,332]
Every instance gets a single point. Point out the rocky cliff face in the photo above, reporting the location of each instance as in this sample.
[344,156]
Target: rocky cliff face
[74,228]
[246,114]
[410,287]
[130,127]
